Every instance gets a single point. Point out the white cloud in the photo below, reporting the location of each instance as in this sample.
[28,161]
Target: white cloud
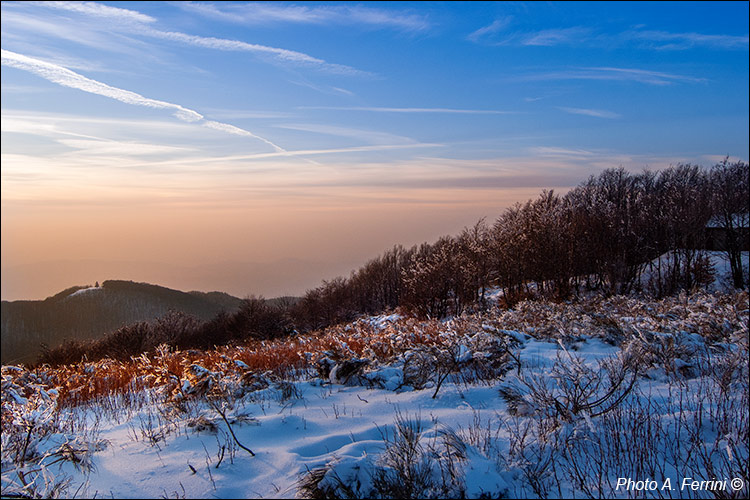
[27,31]
[65,123]
[643,76]
[638,36]
[495,34]
[119,148]
[133,22]
[342,91]
[665,40]
[264,13]
[598,113]
[67,78]
[98,10]
[564,152]
[236,45]
[299,152]
[246,113]
[231,129]
[614,74]
[412,110]
[492,29]
[33,125]
[552,37]
[323,89]
[365,135]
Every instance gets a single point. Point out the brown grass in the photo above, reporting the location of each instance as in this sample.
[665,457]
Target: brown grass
[716,317]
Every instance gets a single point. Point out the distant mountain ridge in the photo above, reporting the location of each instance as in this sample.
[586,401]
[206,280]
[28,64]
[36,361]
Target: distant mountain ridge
[88,312]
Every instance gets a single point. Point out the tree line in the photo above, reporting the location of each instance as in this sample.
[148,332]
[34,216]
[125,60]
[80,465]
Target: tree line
[604,234]
[615,233]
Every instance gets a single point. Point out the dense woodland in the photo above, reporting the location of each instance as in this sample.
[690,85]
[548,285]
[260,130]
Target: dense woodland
[605,235]
[601,235]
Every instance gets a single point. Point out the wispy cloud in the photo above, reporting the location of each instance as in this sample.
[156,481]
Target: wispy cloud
[302,153]
[231,129]
[490,30]
[355,149]
[370,136]
[39,125]
[560,152]
[558,36]
[497,33]
[598,113]
[323,89]
[98,10]
[246,113]
[35,121]
[134,22]
[643,76]
[342,91]
[615,74]
[27,30]
[22,89]
[412,110]
[664,40]
[264,13]
[67,78]
[283,55]
[100,147]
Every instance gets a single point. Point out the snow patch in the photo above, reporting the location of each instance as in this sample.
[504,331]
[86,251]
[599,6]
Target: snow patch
[86,291]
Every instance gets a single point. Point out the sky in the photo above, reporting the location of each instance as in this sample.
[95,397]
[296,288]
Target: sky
[259,148]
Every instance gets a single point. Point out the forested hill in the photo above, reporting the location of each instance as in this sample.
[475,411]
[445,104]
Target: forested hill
[87,312]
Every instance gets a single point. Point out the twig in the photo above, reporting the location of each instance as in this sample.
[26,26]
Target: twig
[229,426]
[221,456]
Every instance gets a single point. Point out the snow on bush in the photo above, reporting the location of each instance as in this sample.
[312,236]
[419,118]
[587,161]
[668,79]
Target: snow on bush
[542,400]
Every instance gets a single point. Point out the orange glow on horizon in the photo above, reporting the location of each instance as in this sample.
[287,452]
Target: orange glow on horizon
[341,228]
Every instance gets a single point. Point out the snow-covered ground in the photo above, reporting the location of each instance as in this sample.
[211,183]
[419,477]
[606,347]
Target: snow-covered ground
[723,277]
[719,263]
[85,291]
[547,399]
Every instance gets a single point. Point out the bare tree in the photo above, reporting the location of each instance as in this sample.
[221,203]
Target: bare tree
[730,183]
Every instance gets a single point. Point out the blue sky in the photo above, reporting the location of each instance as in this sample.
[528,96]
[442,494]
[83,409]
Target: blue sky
[336,130]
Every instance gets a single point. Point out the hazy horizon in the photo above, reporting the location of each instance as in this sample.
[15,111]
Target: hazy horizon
[200,146]
[44,279]
[268,276]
